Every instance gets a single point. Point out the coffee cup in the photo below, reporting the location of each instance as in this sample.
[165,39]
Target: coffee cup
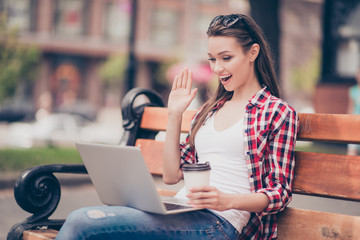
[196,175]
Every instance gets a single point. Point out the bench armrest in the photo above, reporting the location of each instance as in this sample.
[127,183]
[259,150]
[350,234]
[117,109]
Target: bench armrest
[38,191]
[132,111]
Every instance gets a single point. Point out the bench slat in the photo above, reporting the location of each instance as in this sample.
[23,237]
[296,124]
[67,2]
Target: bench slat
[313,127]
[341,128]
[338,177]
[329,175]
[47,234]
[155,118]
[298,224]
[167,193]
[153,153]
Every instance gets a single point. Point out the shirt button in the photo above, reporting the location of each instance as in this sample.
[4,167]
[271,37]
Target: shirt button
[247,153]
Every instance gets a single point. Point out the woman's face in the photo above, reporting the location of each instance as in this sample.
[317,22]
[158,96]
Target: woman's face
[228,61]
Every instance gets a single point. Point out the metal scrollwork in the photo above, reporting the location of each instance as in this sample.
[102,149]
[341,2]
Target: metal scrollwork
[131,114]
[39,194]
[38,191]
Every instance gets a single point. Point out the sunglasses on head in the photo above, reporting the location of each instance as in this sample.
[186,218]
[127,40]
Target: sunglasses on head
[230,20]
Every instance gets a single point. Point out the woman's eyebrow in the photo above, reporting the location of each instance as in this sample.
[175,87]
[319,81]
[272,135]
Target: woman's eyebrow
[220,53]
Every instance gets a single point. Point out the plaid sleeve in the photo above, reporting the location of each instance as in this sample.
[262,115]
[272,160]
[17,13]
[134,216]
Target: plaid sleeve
[280,165]
[187,152]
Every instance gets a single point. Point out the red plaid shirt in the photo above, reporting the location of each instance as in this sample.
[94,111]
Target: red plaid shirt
[269,142]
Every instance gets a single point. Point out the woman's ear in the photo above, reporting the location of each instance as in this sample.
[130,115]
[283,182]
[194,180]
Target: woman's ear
[254,52]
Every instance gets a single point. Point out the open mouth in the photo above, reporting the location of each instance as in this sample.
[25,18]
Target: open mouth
[224,79]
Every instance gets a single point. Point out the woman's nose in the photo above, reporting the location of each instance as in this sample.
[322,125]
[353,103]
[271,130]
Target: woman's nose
[218,68]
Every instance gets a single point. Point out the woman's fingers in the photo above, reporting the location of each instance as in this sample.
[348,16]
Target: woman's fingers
[202,189]
[188,81]
[201,192]
[183,80]
[208,197]
[179,80]
[174,85]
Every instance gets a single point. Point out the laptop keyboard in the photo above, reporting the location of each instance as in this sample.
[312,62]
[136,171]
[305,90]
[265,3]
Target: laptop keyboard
[171,206]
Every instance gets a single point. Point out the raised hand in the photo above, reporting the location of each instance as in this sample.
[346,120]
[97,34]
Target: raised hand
[181,93]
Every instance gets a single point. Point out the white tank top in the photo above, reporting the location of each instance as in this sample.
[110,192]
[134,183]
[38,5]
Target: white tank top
[224,150]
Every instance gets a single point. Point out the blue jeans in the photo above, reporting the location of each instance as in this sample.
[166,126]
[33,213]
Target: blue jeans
[114,222]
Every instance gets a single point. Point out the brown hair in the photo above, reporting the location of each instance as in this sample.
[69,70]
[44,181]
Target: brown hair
[246,32]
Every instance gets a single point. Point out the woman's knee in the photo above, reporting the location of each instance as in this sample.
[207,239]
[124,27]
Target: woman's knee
[75,224]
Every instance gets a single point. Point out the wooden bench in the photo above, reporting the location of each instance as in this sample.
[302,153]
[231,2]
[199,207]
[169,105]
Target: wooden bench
[316,174]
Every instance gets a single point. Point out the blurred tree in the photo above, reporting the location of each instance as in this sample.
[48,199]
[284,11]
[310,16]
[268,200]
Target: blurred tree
[305,76]
[18,62]
[112,72]
[266,15]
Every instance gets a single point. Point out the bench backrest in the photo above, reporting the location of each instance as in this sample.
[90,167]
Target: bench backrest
[316,174]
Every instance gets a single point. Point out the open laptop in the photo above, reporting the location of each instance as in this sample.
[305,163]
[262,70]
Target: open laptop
[121,177]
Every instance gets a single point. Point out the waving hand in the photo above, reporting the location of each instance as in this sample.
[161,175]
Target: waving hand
[181,93]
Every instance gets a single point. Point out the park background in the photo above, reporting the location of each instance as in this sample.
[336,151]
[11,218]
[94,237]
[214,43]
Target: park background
[85,54]
[66,64]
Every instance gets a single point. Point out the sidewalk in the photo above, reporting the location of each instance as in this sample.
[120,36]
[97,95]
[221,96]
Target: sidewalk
[62,130]
[7,180]
[107,128]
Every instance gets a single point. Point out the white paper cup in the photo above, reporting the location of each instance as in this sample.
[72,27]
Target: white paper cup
[196,175]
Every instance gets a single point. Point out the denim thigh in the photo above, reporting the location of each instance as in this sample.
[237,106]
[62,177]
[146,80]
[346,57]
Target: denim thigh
[115,222]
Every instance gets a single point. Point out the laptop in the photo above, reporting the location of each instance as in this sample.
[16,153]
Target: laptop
[121,178]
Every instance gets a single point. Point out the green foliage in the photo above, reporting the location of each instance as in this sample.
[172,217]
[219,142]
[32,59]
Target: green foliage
[17,61]
[112,70]
[160,73]
[305,76]
[15,160]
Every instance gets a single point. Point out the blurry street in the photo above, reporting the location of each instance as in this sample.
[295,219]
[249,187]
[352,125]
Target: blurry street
[63,130]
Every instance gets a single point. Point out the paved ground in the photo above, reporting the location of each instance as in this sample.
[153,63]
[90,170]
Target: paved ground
[72,198]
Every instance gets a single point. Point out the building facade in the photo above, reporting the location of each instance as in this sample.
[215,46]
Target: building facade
[77,36]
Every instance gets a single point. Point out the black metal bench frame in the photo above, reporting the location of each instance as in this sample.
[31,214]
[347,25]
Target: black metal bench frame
[38,191]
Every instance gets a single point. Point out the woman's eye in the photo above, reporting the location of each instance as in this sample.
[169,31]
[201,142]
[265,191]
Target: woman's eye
[226,58]
[211,59]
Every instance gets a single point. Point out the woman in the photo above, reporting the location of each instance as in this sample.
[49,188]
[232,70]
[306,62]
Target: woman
[246,133]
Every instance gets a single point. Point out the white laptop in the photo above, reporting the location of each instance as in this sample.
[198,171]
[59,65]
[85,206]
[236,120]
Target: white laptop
[121,177]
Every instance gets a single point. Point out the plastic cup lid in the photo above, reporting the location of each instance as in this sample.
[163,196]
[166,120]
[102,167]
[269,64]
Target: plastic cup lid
[197,167]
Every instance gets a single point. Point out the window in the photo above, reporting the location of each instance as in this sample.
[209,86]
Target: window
[209,1]
[70,18]
[117,20]
[18,14]
[348,51]
[165,27]
[200,38]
